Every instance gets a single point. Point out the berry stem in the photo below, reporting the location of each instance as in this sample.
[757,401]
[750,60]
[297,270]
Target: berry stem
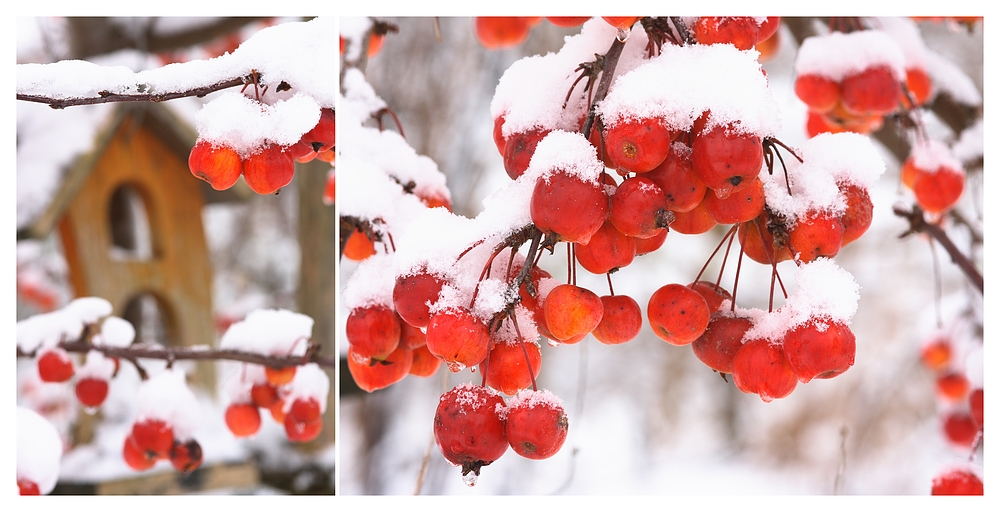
[527,361]
[716,251]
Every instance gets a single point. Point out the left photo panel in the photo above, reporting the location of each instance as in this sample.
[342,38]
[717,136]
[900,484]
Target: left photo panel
[176,252]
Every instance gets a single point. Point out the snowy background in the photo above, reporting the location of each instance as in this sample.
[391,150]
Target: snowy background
[646,417]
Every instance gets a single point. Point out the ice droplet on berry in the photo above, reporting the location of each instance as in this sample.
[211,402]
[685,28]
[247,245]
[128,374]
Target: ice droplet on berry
[623,34]
[455,366]
[470,478]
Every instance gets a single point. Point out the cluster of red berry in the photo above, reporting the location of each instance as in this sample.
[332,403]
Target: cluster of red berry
[856,98]
[152,439]
[683,158]
[301,416]
[963,417]
[269,168]
[473,426]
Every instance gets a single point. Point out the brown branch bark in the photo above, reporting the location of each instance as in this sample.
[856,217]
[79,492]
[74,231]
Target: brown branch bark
[134,352]
[920,225]
[109,97]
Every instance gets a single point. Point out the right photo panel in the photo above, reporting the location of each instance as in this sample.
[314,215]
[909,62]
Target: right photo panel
[660,255]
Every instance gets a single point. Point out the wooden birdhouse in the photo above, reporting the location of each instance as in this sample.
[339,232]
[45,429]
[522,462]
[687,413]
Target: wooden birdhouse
[129,215]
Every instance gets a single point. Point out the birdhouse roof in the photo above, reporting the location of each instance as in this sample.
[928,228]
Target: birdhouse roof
[57,150]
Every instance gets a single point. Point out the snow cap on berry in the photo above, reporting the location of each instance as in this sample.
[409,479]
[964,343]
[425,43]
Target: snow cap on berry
[684,81]
[271,332]
[823,291]
[565,153]
[838,54]
[39,450]
[245,125]
[115,332]
[530,398]
[97,366]
[372,283]
[310,382]
[531,92]
[166,396]
[471,395]
[931,155]
[48,329]
[829,160]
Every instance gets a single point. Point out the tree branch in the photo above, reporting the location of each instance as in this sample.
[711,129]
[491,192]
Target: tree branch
[920,225]
[134,352]
[109,97]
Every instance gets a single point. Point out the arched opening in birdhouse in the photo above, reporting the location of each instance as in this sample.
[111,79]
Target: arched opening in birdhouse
[131,236]
[151,318]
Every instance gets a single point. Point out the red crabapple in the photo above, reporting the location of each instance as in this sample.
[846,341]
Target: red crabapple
[572,311]
[26,487]
[91,391]
[714,295]
[648,245]
[374,374]
[568,208]
[953,386]
[677,314]
[506,368]
[819,349]
[536,425]
[740,31]
[358,246]
[720,342]
[269,169]
[724,158]
[608,250]
[819,93]
[154,437]
[186,456]
[858,216]
[496,32]
[469,427]
[760,367]
[220,166]
[305,410]
[682,189]
[621,321]
[957,483]
[960,429]
[872,91]
[302,431]
[136,458]
[424,363]
[264,394]
[54,365]
[621,22]
[518,150]
[373,331]
[637,145]
[413,294]
[243,420]
[637,208]
[279,376]
[817,234]
[457,337]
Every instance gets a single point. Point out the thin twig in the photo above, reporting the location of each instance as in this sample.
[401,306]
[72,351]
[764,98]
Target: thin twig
[918,224]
